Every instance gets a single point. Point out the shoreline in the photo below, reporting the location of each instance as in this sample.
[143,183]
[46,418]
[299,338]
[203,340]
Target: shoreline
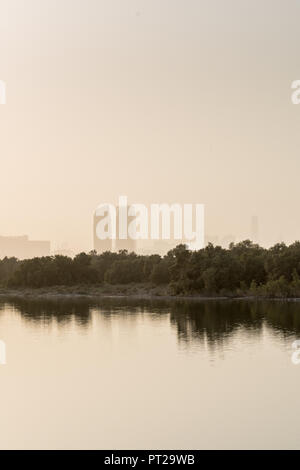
[131,293]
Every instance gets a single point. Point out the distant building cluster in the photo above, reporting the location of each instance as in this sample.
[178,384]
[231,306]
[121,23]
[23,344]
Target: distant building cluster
[100,246]
[23,248]
[162,247]
[223,241]
[159,247]
[145,247]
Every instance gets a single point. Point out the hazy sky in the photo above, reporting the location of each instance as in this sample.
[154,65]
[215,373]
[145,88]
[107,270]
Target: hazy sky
[159,100]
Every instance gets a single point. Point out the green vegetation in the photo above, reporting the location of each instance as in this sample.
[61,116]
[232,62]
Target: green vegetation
[243,269]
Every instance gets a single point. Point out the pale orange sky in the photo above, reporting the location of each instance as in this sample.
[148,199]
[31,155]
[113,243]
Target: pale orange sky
[162,101]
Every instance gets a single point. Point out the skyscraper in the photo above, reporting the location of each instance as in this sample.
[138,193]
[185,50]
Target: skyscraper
[124,220]
[122,240]
[100,246]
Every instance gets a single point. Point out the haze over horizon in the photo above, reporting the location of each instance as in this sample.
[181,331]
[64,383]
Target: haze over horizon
[154,100]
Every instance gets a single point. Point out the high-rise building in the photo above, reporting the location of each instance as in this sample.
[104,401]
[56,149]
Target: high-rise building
[23,248]
[122,240]
[124,220]
[100,246]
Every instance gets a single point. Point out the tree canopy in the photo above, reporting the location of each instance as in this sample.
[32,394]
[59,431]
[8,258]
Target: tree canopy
[243,268]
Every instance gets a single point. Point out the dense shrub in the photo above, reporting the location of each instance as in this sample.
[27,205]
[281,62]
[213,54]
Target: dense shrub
[244,268]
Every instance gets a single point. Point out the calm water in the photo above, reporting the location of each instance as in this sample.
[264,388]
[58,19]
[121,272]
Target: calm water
[123,375]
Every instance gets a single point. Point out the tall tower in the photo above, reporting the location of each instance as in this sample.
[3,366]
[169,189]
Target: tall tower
[124,220]
[100,246]
[111,226]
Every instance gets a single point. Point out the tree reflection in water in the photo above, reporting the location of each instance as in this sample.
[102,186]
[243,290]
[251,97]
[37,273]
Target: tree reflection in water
[214,321]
